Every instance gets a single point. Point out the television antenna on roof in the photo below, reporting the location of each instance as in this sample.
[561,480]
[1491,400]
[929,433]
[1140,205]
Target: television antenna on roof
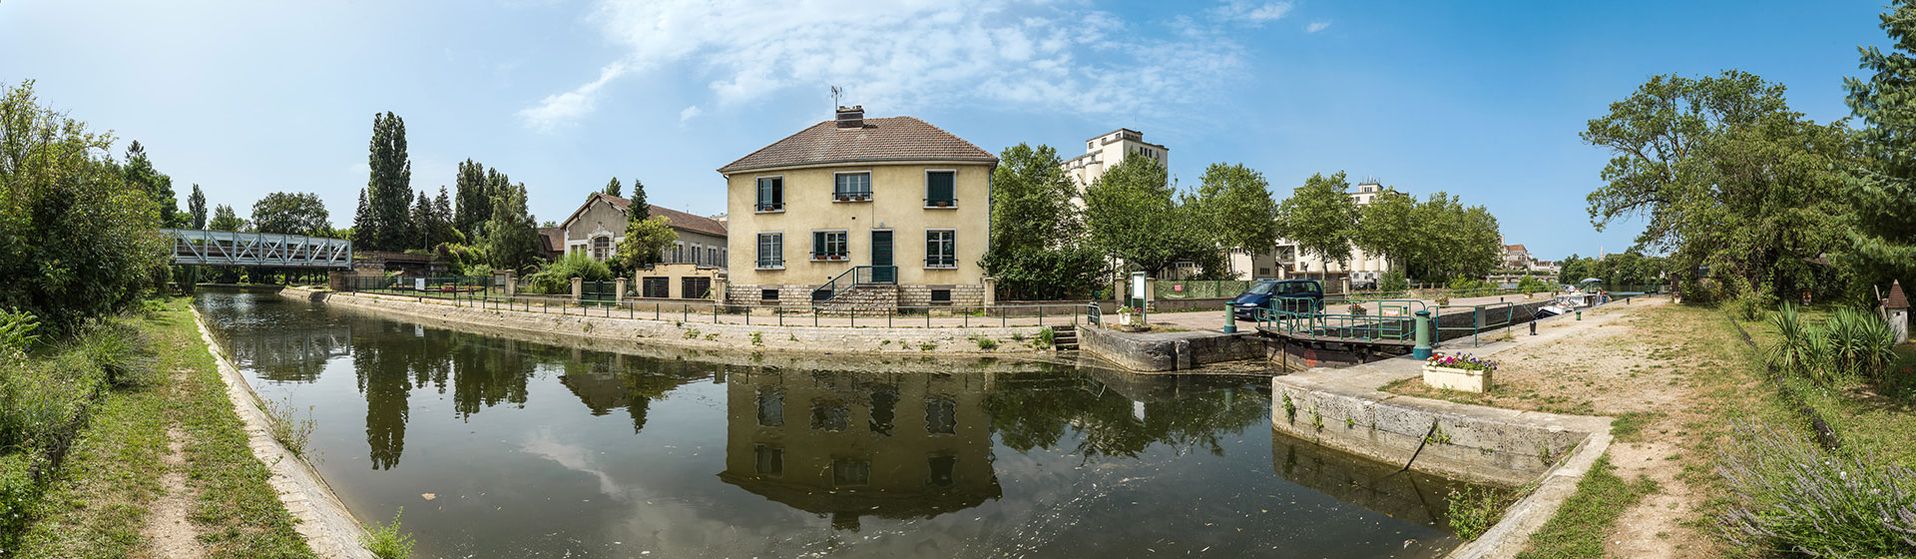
[837,93]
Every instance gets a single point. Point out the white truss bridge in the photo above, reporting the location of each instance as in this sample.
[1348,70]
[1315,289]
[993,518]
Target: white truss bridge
[226,248]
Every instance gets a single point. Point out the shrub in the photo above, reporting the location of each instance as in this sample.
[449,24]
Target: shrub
[1794,352]
[39,400]
[18,330]
[557,276]
[287,428]
[1860,344]
[388,541]
[1046,338]
[986,344]
[18,496]
[1394,282]
[1790,495]
[1530,284]
[121,352]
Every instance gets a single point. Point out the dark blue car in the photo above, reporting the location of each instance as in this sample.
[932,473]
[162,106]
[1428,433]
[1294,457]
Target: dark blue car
[1300,295]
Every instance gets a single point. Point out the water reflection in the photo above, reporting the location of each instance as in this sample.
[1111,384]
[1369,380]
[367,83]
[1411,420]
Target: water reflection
[849,444]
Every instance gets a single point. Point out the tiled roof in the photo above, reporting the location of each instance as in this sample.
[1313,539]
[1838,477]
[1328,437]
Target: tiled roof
[680,220]
[899,138]
[1515,248]
[1896,299]
[554,238]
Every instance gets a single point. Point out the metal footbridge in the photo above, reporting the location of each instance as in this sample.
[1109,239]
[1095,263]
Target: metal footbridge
[1386,326]
[227,248]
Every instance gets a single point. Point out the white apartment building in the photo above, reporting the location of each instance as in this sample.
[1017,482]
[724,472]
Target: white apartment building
[1286,260]
[1106,151]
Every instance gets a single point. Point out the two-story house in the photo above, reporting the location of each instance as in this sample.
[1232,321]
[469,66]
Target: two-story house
[685,270]
[885,211]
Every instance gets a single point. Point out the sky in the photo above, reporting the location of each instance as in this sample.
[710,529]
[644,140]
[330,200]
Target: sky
[1479,99]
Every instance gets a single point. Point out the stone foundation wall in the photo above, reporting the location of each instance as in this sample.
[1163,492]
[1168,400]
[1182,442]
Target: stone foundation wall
[961,295]
[790,296]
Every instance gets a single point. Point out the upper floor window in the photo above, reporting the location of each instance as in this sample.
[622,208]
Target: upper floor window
[771,250]
[829,245]
[852,187]
[601,248]
[771,194]
[941,189]
[941,248]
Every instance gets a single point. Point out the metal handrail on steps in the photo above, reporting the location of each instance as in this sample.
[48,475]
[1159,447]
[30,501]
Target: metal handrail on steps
[856,276]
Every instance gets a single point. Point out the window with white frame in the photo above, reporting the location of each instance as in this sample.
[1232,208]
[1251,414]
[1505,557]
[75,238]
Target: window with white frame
[771,194]
[771,250]
[941,189]
[601,248]
[678,252]
[829,245]
[941,248]
[852,187]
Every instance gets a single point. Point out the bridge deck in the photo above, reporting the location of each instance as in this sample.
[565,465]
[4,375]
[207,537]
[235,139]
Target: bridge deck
[1332,339]
[227,248]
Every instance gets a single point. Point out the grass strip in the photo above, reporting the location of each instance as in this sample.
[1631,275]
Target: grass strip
[1580,525]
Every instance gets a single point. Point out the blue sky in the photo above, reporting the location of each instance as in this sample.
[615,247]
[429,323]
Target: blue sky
[1479,99]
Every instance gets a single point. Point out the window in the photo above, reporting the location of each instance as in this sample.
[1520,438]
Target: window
[695,288]
[941,189]
[942,469]
[771,407]
[678,252]
[941,296]
[656,287]
[941,415]
[852,187]
[771,194]
[851,471]
[770,460]
[771,250]
[884,402]
[601,248]
[941,248]
[768,295]
[829,245]
[829,415]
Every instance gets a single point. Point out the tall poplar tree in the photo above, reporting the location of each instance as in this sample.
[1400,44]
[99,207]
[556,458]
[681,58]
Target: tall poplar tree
[388,194]
[474,200]
[196,205]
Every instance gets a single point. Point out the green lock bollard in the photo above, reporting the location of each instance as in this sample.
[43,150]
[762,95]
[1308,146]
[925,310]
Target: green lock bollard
[1230,319]
[1422,350]
[1579,316]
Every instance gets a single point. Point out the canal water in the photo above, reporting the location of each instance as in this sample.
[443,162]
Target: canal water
[496,447]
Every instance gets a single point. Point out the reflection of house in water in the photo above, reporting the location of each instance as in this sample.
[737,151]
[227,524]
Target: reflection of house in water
[288,354]
[852,444]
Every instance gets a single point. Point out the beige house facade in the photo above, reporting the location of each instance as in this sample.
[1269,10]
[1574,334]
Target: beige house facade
[688,270]
[885,212]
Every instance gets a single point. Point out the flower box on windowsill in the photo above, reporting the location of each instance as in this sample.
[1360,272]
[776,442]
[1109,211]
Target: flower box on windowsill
[853,197]
[829,257]
[771,209]
[1459,373]
[941,204]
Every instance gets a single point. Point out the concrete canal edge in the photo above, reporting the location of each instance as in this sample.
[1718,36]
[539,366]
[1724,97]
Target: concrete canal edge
[701,335]
[1345,409]
[1169,351]
[329,528]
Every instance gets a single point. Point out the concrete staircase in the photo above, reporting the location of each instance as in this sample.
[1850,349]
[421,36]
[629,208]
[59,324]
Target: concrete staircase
[1064,338]
[865,298]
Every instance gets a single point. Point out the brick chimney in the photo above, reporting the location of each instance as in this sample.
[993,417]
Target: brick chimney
[851,117]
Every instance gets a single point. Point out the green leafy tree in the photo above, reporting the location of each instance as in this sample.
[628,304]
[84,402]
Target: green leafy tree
[442,213]
[382,223]
[475,199]
[76,242]
[1386,226]
[640,208]
[1037,250]
[425,234]
[1726,176]
[1235,206]
[509,240]
[614,188]
[1883,245]
[196,206]
[1131,214]
[140,174]
[293,213]
[645,240]
[1321,217]
[1452,241]
[225,219]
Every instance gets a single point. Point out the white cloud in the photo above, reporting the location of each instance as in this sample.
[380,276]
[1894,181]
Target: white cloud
[690,113]
[1253,12]
[1317,26]
[898,56]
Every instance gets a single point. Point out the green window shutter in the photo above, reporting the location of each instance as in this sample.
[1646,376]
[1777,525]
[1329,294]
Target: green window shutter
[940,186]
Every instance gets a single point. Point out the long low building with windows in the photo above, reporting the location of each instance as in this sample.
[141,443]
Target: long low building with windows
[867,213]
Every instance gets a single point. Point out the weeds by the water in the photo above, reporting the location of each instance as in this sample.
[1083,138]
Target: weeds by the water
[388,541]
[1580,525]
[1792,496]
[1046,338]
[287,428]
[1474,510]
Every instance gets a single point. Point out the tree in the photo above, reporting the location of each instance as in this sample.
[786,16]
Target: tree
[425,234]
[1883,245]
[1450,240]
[1036,249]
[614,188]
[141,175]
[645,240]
[509,240]
[76,241]
[640,207]
[475,198]
[1131,214]
[1234,204]
[1386,227]
[225,219]
[293,213]
[442,220]
[388,195]
[1320,217]
[196,205]
[1726,176]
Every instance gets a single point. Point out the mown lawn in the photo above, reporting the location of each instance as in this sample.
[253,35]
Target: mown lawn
[98,505]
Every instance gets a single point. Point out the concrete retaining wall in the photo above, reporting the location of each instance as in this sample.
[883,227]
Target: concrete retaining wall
[1475,443]
[1171,351]
[737,338]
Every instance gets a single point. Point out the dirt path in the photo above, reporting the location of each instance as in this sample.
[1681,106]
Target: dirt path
[168,528]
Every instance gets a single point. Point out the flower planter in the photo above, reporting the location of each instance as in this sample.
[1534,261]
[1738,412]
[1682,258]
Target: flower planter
[1452,378]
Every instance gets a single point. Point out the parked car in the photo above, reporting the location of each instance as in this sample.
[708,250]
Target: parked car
[1261,293]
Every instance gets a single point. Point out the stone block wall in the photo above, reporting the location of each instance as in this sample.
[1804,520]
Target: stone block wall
[972,295]
[790,296]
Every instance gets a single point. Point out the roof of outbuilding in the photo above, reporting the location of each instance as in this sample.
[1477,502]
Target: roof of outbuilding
[680,220]
[554,238]
[1896,299]
[898,138]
